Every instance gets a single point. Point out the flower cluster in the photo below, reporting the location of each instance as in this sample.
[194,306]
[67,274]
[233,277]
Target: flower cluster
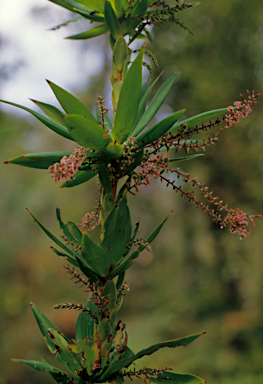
[89,221]
[154,165]
[240,109]
[237,220]
[68,166]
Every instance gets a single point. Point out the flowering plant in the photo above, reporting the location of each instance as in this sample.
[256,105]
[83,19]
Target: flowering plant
[125,154]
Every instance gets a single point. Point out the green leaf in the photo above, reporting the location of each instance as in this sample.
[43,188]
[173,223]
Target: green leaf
[80,177]
[157,130]
[138,156]
[67,257]
[53,237]
[67,233]
[74,230]
[66,23]
[58,128]
[52,112]
[97,5]
[94,32]
[85,324]
[59,375]
[128,262]
[129,101]
[155,104]
[38,160]
[120,364]
[70,103]
[121,7]
[139,7]
[71,5]
[72,363]
[142,104]
[112,20]
[117,233]
[120,280]
[175,378]
[87,132]
[94,256]
[105,180]
[44,324]
[93,278]
[191,121]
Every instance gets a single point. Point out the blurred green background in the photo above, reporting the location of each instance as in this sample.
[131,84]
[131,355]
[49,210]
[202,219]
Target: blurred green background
[197,277]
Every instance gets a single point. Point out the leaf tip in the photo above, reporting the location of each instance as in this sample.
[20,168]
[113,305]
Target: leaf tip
[6,162]
[34,101]
[15,360]
[48,81]
[31,303]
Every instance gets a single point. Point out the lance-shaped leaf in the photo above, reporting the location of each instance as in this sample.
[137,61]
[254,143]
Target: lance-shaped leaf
[127,263]
[59,375]
[85,324]
[66,256]
[93,278]
[175,378]
[72,362]
[70,230]
[71,5]
[44,324]
[158,129]
[191,121]
[129,101]
[94,32]
[97,5]
[50,111]
[155,104]
[38,160]
[142,105]
[94,256]
[54,238]
[121,7]
[117,233]
[105,180]
[139,7]
[69,102]
[120,364]
[87,132]
[103,330]
[80,347]
[112,20]
[80,177]
[138,156]
[58,128]
[66,23]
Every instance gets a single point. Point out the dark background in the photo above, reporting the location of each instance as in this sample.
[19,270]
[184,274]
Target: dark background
[197,277]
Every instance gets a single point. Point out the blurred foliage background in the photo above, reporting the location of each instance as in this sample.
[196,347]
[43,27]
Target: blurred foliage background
[197,277]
